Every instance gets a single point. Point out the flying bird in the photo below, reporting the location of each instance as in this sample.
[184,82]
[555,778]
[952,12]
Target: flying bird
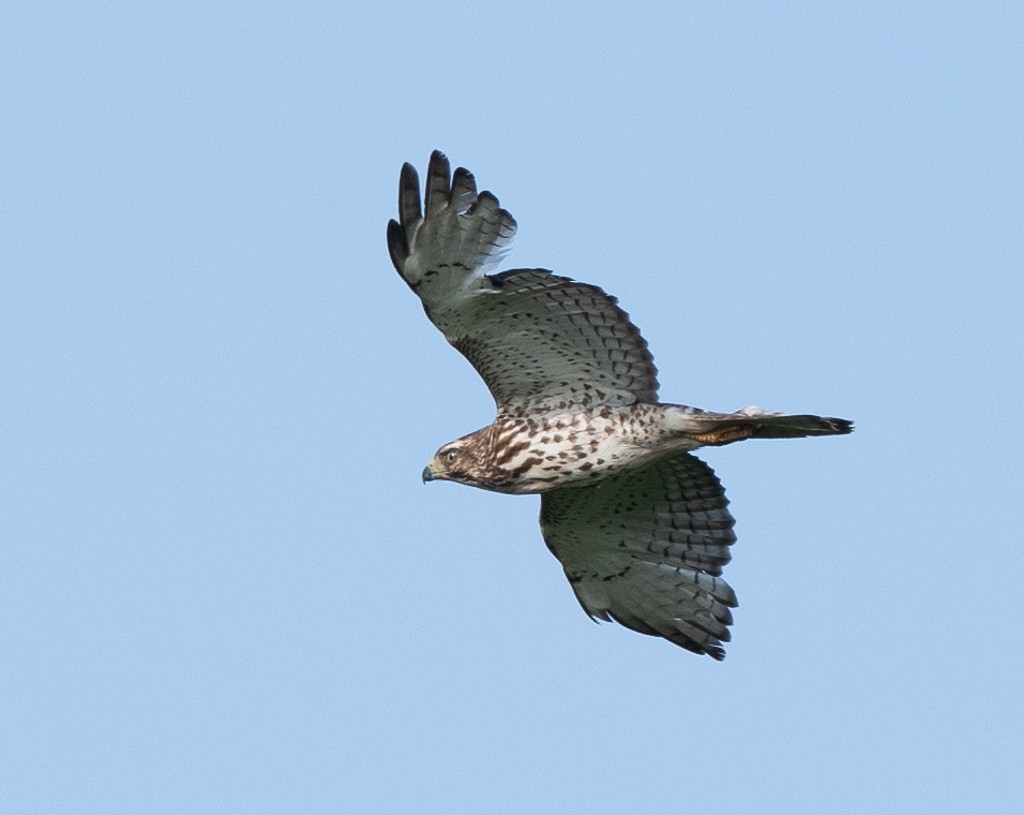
[638,523]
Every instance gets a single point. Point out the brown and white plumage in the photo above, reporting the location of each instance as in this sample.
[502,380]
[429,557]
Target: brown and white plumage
[640,525]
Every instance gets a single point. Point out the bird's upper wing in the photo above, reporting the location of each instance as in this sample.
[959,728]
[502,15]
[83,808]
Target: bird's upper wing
[541,342]
[646,547]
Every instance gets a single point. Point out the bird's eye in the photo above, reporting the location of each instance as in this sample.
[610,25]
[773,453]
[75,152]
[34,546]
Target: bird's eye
[450,456]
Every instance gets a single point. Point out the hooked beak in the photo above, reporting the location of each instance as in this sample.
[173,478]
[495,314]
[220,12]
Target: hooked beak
[432,472]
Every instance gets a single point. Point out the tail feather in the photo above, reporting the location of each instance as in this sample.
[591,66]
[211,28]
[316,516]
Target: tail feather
[710,428]
[795,427]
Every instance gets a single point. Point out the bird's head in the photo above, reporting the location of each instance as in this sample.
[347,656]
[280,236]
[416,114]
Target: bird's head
[457,461]
[479,460]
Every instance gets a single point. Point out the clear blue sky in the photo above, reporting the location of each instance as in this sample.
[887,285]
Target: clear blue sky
[223,587]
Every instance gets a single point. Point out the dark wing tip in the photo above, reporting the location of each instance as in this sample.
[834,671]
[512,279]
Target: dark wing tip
[463,189]
[409,209]
[398,245]
[439,184]
[487,203]
[712,646]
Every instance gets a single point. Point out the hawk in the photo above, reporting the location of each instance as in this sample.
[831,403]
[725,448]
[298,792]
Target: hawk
[638,523]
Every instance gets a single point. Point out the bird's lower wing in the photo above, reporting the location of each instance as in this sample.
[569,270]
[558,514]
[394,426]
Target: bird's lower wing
[646,549]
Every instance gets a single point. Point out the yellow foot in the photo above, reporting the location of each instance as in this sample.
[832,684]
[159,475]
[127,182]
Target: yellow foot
[723,435]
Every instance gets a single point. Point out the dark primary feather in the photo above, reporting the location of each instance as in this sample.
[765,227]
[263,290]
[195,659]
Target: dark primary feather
[540,342]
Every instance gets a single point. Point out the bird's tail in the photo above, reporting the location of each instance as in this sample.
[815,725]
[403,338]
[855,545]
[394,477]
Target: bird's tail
[753,423]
